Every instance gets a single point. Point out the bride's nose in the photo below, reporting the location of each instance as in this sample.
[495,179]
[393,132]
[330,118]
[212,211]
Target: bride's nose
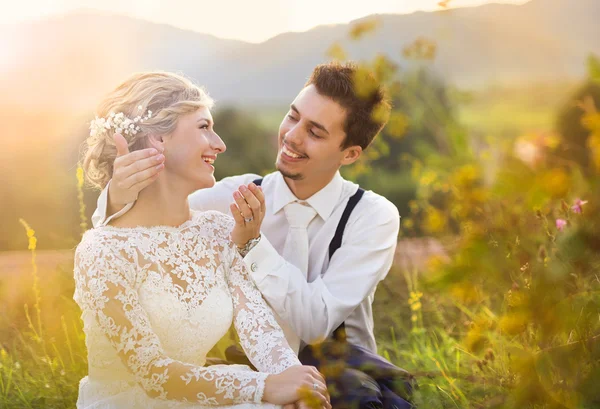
[217,143]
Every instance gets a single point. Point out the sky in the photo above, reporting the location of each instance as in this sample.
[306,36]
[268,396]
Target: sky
[247,20]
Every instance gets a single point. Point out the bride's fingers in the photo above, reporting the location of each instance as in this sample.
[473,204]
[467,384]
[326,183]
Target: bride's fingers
[251,200]
[242,205]
[318,375]
[322,388]
[237,216]
[259,195]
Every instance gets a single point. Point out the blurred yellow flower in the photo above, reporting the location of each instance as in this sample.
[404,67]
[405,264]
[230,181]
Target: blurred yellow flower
[465,293]
[363,27]
[337,52]
[428,177]
[380,114]
[435,221]
[555,182]
[397,124]
[465,175]
[364,82]
[30,234]
[80,175]
[514,323]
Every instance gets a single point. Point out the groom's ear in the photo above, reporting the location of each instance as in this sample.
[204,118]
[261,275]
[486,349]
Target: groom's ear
[157,142]
[351,155]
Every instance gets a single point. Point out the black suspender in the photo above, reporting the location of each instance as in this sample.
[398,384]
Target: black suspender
[336,242]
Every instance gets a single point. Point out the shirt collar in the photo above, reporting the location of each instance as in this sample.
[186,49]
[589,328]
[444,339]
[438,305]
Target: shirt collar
[323,201]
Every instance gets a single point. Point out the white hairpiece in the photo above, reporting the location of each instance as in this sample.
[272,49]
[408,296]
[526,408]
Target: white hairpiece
[119,123]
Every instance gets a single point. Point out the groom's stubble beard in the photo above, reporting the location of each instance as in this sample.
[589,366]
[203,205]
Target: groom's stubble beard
[288,175]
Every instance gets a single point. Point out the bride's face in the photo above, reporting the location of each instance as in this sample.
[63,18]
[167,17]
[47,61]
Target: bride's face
[192,148]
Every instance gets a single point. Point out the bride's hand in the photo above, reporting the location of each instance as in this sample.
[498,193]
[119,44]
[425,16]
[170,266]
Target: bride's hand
[248,210]
[132,173]
[299,382]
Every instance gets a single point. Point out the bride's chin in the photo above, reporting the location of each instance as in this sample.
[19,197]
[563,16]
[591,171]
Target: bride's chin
[204,183]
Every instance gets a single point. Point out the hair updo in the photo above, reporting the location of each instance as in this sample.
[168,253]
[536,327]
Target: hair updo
[166,95]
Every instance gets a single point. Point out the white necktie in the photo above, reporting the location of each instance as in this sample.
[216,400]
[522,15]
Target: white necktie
[295,250]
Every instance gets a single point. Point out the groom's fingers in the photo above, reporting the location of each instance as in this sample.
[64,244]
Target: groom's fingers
[142,165]
[121,144]
[140,180]
[135,156]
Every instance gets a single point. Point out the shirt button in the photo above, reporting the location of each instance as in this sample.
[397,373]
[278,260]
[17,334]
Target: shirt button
[253,267]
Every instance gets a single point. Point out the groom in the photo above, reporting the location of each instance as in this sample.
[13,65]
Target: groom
[313,290]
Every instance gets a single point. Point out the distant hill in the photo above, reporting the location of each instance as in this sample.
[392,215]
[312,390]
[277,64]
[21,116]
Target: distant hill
[71,60]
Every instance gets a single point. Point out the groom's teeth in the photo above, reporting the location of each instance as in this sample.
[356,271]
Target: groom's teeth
[209,160]
[290,153]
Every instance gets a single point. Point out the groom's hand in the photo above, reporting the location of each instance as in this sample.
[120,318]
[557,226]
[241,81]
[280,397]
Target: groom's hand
[132,173]
[248,210]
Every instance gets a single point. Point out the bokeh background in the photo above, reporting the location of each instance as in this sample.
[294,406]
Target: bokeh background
[492,156]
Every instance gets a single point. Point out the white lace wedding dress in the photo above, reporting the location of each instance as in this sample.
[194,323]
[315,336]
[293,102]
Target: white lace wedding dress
[155,301]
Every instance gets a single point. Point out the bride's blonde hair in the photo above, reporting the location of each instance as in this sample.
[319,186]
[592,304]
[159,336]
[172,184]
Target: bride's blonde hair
[165,95]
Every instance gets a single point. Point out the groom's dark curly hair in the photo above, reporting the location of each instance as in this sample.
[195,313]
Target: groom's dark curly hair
[357,91]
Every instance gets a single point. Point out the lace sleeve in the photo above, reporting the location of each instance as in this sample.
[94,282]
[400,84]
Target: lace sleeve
[260,335]
[106,289]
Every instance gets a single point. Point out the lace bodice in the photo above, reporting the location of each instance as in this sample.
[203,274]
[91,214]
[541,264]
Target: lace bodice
[156,300]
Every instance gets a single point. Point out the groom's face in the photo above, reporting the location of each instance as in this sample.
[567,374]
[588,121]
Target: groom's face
[310,138]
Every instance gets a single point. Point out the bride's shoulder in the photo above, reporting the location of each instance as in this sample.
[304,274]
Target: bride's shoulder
[99,240]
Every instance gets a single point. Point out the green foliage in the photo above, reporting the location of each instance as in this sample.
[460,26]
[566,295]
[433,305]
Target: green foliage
[573,134]
[251,147]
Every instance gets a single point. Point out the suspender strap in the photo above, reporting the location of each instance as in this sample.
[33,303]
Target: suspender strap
[336,242]
[340,332]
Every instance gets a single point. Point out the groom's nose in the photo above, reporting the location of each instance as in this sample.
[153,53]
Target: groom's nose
[294,135]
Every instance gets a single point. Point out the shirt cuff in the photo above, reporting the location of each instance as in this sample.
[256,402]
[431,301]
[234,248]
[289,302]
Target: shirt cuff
[262,260]
[103,205]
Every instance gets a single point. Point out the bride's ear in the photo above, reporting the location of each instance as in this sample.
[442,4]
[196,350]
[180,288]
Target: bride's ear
[157,142]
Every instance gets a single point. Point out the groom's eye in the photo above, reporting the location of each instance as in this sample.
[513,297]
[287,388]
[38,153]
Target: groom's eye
[291,117]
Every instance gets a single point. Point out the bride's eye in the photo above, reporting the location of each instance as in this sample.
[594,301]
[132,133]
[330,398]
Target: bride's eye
[204,126]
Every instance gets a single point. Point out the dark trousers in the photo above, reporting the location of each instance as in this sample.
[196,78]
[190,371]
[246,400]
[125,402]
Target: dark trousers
[356,378]
[359,379]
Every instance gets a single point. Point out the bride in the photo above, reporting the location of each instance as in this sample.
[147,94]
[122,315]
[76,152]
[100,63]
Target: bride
[159,286]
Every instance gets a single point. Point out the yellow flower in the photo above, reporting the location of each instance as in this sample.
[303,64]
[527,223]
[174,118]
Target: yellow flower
[30,234]
[514,323]
[397,124]
[435,221]
[465,175]
[80,180]
[336,52]
[556,182]
[366,26]
[428,177]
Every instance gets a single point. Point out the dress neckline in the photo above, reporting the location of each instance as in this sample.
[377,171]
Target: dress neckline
[157,228]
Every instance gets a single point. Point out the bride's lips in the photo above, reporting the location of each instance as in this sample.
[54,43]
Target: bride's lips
[290,155]
[209,160]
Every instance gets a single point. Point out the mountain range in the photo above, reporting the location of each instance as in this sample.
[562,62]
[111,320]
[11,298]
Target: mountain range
[69,61]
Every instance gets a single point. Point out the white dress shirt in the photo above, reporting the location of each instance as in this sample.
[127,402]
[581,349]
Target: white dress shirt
[336,291]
